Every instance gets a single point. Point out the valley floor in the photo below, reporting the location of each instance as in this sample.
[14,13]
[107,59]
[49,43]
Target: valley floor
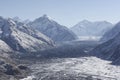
[75,69]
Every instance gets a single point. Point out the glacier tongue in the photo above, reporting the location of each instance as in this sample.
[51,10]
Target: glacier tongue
[77,68]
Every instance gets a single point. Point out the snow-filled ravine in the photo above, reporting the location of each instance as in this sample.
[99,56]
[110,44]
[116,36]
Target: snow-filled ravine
[75,68]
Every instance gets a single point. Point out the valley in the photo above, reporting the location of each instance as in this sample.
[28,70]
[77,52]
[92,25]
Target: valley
[46,50]
[59,40]
[80,67]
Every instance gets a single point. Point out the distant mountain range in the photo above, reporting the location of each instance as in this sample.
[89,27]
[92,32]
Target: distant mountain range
[20,38]
[89,29]
[43,32]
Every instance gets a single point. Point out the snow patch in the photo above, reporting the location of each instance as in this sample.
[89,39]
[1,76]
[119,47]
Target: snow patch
[28,78]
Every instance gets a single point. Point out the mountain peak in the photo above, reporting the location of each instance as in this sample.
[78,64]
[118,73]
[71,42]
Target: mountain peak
[85,21]
[45,16]
[17,19]
[43,19]
[52,29]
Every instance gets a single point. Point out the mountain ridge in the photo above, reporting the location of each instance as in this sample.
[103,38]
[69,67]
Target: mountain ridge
[52,29]
[20,40]
[88,28]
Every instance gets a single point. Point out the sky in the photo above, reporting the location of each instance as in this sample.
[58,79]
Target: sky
[65,12]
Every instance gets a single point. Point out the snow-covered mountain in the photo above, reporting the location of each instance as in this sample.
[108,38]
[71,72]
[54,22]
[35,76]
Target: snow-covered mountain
[52,29]
[87,28]
[17,19]
[111,33]
[21,38]
[34,33]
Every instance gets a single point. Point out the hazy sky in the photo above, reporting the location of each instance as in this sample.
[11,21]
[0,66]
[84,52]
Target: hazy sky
[66,12]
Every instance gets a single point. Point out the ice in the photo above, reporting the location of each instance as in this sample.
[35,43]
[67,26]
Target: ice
[84,65]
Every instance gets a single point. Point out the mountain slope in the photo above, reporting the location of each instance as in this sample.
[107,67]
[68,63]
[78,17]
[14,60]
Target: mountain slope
[5,50]
[111,33]
[34,33]
[87,28]
[52,29]
[109,50]
[9,68]
[19,40]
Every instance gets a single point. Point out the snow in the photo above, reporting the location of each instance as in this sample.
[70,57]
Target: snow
[84,65]
[52,29]
[88,28]
[16,19]
[28,78]
[23,39]
[4,48]
[34,33]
